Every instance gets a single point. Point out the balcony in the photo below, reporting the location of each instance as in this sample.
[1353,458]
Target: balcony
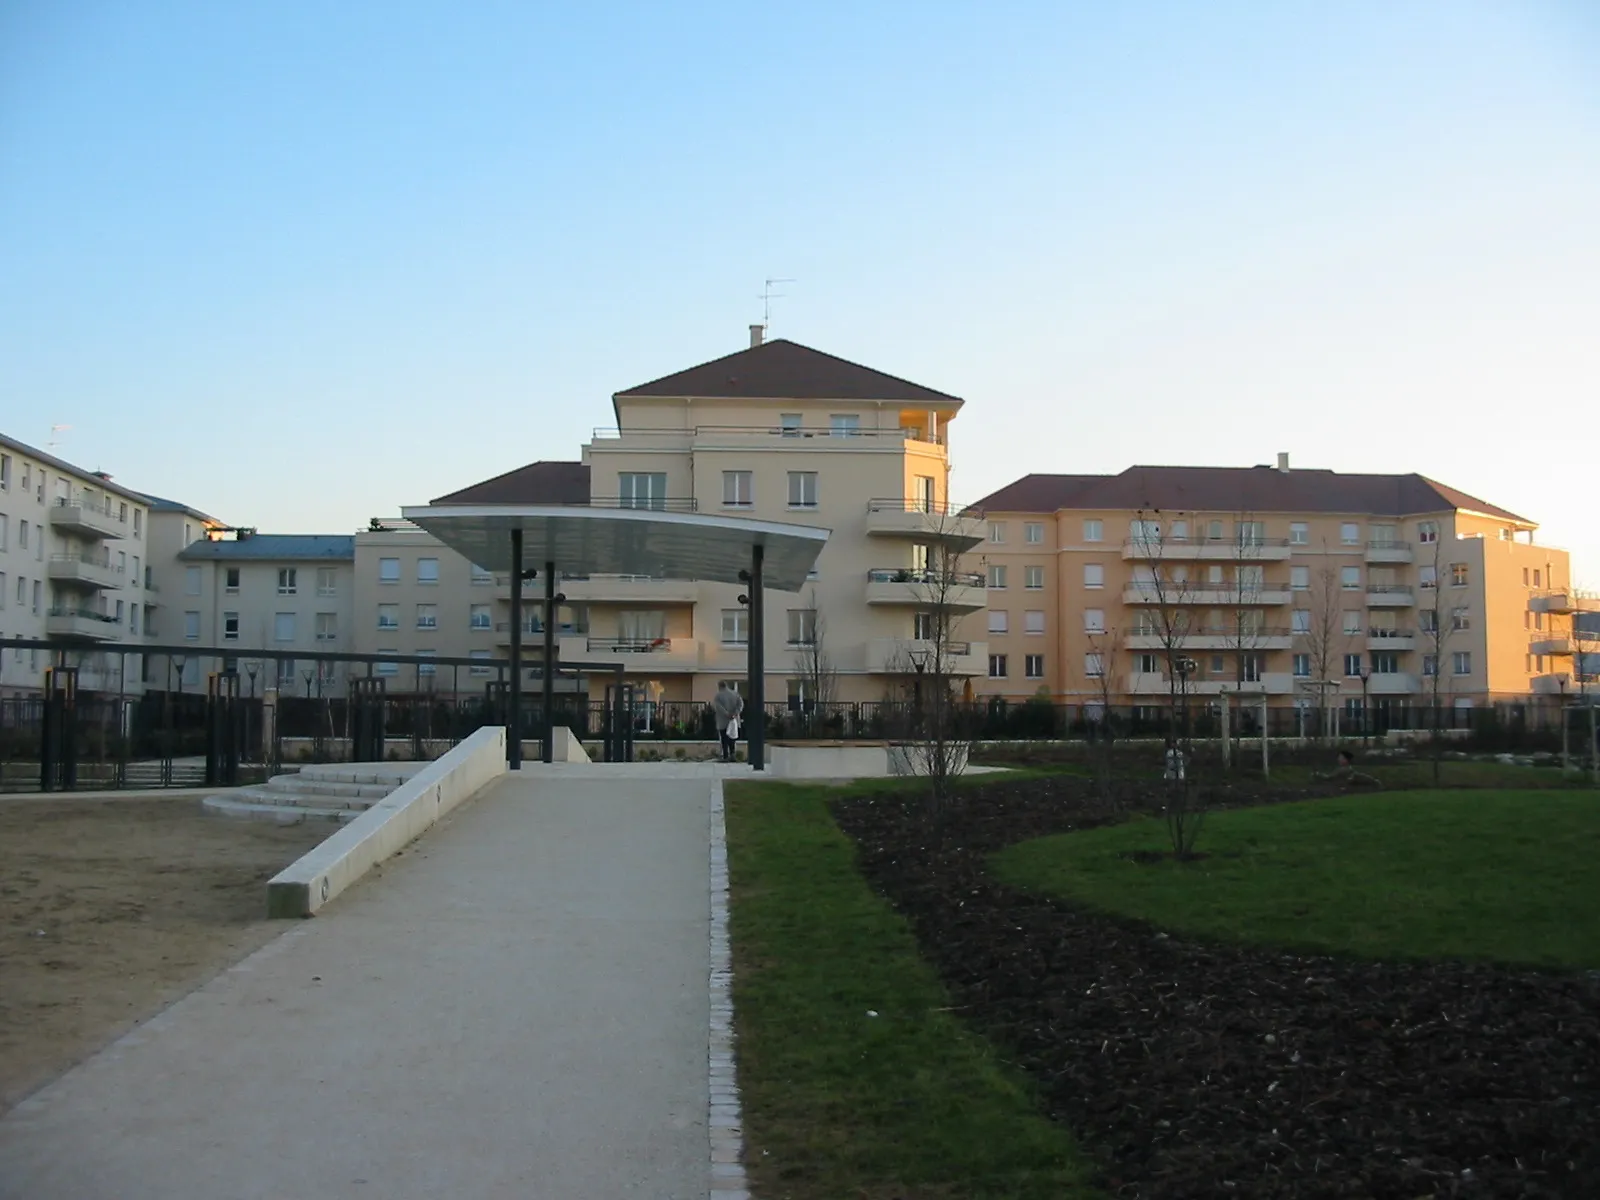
[1266,638]
[85,518]
[1388,551]
[628,589]
[532,632]
[1394,683]
[1184,549]
[1154,683]
[1391,639]
[900,656]
[81,623]
[641,656]
[1551,643]
[1224,597]
[961,592]
[1564,600]
[1553,685]
[925,523]
[1389,595]
[766,437]
[85,570]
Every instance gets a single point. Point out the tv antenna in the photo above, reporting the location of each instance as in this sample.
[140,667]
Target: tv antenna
[55,440]
[767,297]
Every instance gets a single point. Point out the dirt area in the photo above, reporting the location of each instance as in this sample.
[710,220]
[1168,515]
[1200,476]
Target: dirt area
[111,909]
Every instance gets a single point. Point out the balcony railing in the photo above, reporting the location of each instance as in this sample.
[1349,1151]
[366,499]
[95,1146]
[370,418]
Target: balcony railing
[1396,591]
[83,614]
[607,433]
[1388,544]
[1232,543]
[103,561]
[1379,634]
[937,508]
[965,579]
[660,645]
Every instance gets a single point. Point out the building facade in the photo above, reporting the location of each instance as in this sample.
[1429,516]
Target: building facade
[1389,589]
[73,556]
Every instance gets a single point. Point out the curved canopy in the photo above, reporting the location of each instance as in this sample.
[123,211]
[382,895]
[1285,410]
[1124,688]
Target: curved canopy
[624,541]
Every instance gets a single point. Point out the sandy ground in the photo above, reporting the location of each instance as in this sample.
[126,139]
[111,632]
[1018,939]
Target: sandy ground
[111,909]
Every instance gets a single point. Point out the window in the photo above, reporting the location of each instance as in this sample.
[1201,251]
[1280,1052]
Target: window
[22,540]
[997,666]
[288,581]
[1524,576]
[386,668]
[138,514]
[997,532]
[2,589]
[923,627]
[327,627]
[1300,578]
[230,627]
[1249,533]
[1033,578]
[738,489]
[191,627]
[735,627]
[427,616]
[1094,620]
[1428,578]
[388,616]
[38,592]
[427,570]
[283,627]
[789,424]
[481,577]
[427,668]
[230,580]
[475,669]
[5,472]
[1251,579]
[1429,620]
[1033,621]
[478,617]
[1430,665]
[1214,574]
[1536,577]
[388,570]
[133,609]
[1461,662]
[1094,531]
[1094,665]
[1427,531]
[1214,531]
[1302,666]
[3,524]
[1147,664]
[1385,662]
[1350,578]
[802,626]
[997,575]
[1352,666]
[1033,533]
[1299,533]
[1460,619]
[1094,575]
[1352,623]
[1251,666]
[191,578]
[642,489]
[802,489]
[844,424]
[1301,621]
[1458,574]
[327,582]
[1033,666]
[285,672]
[1144,532]
[999,620]
[1349,534]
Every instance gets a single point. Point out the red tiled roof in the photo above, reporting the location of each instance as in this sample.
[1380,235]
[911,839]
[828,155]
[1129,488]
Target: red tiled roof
[785,370]
[1236,489]
[536,483]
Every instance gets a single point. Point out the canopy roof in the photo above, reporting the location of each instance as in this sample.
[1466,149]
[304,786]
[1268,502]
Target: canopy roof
[624,541]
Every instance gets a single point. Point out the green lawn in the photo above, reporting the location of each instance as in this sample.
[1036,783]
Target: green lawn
[1418,773]
[1509,876]
[839,1103]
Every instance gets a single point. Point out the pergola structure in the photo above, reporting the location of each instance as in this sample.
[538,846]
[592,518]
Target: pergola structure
[623,541]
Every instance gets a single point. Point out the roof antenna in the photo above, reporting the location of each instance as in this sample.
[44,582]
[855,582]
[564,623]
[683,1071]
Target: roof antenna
[54,440]
[767,297]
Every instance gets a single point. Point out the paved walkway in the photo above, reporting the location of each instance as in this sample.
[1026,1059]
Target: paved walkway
[517,1006]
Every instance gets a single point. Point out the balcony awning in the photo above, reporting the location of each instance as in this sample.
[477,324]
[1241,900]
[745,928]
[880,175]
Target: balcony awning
[624,541]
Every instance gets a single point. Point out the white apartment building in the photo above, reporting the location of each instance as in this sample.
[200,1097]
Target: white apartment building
[73,550]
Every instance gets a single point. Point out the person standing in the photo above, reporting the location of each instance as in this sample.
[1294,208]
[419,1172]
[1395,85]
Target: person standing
[726,707]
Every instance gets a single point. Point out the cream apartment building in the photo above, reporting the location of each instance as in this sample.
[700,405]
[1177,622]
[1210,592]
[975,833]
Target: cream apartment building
[1269,580]
[73,550]
[777,431]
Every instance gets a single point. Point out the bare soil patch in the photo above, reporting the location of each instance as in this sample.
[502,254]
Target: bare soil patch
[111,909]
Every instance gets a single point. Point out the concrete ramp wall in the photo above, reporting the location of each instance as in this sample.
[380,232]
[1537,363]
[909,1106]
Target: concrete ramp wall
[568,748]
[315,878]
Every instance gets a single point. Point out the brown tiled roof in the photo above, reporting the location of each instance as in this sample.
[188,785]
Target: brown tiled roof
[536,483]
[1236,489]
[785,370]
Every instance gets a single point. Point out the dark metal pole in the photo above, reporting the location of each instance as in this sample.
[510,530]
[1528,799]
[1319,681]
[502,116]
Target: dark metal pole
[548,745]
[757,666]
[514,716]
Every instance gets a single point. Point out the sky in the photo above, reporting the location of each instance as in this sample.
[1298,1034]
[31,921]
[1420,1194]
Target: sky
[300,264]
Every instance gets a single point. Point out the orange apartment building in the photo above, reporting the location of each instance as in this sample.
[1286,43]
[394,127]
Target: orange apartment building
[1270,580]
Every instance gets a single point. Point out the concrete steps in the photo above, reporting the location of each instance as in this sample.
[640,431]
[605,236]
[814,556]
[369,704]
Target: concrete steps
[337,792]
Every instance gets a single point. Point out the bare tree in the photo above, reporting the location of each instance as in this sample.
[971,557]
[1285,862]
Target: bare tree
[1323,636]
[814,667]
[1243,623]
[1438,622]
[1100,669]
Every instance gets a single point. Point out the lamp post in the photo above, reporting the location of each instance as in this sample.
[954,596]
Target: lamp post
[251,666]
[1561,682]
[306,675]
[1366,729]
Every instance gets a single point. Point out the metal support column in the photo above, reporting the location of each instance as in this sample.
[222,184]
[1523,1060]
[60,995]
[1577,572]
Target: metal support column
[514,717]
[548,744]
[756,719]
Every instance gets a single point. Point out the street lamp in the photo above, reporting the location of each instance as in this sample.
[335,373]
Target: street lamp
[1561,682]
[1366,676]
[306,675]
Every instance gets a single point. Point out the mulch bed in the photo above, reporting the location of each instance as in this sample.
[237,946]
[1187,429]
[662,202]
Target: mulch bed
[1203,1070]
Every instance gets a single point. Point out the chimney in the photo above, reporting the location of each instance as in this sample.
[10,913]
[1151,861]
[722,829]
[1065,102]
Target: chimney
[1283,461]
[756,332]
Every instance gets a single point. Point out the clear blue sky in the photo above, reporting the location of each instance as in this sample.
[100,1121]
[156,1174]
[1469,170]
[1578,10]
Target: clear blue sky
[306,263]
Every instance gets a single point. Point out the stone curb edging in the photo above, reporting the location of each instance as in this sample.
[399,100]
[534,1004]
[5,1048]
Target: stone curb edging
[725,1126]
